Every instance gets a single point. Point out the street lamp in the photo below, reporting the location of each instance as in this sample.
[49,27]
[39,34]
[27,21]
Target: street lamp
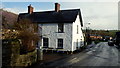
[87,36]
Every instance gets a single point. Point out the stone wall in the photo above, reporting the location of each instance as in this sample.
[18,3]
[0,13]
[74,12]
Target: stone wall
[26,59]
[11,55]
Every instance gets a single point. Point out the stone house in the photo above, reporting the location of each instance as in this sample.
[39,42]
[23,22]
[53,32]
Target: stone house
[60,29]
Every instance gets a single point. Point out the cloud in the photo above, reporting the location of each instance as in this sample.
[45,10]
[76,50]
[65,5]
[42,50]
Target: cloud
[103,23]
[15,10]
[100,14]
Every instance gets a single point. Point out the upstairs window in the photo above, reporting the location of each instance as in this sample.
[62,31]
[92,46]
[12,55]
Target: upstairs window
[60,43]
[60,28]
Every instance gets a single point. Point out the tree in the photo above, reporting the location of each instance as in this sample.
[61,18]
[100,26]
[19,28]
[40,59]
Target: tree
[7,31]
[27,33]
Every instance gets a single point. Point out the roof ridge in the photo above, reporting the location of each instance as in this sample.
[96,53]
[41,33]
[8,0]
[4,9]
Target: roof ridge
[52,11]
[55,11]
[63,16]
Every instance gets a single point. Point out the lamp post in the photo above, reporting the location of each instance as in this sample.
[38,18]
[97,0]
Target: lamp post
[87,33]
[88,28]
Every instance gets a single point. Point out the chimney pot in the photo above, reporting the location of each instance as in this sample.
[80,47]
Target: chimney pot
[57,7]
[30,9]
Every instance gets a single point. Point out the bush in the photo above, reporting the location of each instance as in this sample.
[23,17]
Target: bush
[97,41]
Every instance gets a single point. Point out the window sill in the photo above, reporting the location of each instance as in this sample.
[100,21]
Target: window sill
[60,32]
[59,48]
[45,47]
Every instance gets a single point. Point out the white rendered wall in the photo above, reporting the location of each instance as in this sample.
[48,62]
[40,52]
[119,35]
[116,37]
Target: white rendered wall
[76,36]
[51,31]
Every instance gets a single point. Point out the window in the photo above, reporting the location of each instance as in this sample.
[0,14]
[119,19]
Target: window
[60,27]
[77,29]
[60,43]
[45,42]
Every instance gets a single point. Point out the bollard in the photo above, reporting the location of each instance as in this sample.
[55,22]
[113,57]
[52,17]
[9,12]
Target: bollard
[72,52]
[52,50]
[46,50]
[67,52]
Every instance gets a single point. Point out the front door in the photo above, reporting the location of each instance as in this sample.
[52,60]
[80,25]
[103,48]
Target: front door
[45,42]
[60,44]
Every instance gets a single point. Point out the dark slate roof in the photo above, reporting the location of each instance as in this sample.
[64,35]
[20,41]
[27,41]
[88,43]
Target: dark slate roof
[63,16]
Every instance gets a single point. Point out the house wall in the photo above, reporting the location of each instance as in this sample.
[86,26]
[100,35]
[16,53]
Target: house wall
[51,31]
[76,36]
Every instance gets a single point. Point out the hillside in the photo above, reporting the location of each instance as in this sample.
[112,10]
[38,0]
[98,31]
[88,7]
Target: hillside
[8,18]
[103,32]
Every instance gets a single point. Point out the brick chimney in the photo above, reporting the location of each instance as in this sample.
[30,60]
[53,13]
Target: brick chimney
[30,9]
[57,7]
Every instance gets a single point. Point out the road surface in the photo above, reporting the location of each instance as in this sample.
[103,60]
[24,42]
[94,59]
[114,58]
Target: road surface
[99,55]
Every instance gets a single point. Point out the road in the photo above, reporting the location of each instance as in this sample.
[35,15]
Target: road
[99,55]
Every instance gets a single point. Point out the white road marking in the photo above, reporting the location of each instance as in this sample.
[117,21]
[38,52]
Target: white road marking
[96,47]
[74,60]
[90,48]
[90,52]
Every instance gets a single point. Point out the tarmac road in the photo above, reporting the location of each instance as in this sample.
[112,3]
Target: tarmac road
[99,55]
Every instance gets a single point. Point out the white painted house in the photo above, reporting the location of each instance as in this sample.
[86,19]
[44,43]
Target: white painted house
[61,29]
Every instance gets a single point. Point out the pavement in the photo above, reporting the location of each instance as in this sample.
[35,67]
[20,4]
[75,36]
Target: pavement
[50,57]
[91,45]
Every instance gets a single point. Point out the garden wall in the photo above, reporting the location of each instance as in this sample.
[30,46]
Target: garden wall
[11,57]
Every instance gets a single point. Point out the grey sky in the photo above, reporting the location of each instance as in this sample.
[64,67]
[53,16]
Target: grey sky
[60,0]
[101,15]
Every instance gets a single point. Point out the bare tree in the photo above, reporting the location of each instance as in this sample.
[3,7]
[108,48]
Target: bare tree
[27,33]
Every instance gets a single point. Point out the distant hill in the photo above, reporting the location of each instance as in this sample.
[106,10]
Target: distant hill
[103,32]
[8,18]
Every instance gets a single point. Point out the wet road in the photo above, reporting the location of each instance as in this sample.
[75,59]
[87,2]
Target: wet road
[99,55]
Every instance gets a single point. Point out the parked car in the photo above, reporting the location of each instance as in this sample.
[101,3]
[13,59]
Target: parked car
[111,42]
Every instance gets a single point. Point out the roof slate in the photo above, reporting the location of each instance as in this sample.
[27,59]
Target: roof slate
[63,16]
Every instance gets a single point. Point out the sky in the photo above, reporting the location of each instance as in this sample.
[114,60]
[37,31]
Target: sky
[100,15]
[61,0]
